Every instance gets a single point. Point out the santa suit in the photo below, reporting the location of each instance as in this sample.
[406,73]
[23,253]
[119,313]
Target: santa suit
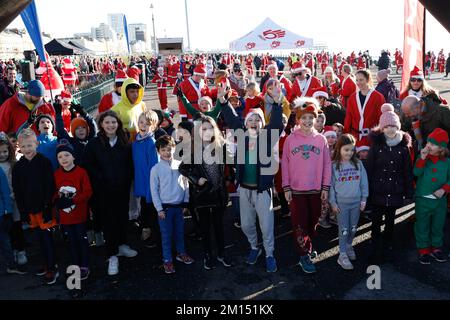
[361,63]
[69,75]
[324,62]
[134,72]
[161,83]
[338,66]
[108,101]
[441,62]
[310,64]
[192,93]
[249,65]
[399,62]
[360,119]
[173,70]
[308,86]
[265,63]
[348,87]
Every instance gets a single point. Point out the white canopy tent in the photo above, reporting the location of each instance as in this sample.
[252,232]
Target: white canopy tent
[270,36]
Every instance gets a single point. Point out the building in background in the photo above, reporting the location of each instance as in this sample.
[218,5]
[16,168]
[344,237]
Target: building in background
[103,31]
[137,32]
[115,20]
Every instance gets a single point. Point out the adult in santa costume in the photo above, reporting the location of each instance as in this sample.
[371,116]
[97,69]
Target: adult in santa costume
[332,83]
[111,99]
[160,79]
[249,64]
[286,84]
[304,83]
[348,84]
[134,72]
[441,61]
[309,62]
[173,70]
[339,64]
[51,80]
[361,63]
[363,108]
[399,62]
[418,86]
[193,88]
[324,62]
[69,71]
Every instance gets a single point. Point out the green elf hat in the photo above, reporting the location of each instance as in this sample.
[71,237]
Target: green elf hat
[439,137]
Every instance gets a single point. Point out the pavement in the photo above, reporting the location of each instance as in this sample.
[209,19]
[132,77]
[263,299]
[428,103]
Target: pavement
[142,278]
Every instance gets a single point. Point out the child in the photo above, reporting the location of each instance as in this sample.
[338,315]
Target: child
[319,123]
[34,187]
[338,128]
[389,168]
[255,178]
[109,163]
[205,106]
[145,157]
[6,221]
[348,196]
[210,196]
[433,183]
[170,193]
[160,79]
[327,216]
[305,155]
[12,137]
[47,141]
[253,98]
[73,190]
[17,237]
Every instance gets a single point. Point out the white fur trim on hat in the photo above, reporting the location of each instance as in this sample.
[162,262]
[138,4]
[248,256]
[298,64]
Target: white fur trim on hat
[330,133]
[362,148]
[320,94]
[300,101]
[259,113]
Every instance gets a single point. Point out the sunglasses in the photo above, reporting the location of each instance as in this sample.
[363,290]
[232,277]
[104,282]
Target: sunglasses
[416,80]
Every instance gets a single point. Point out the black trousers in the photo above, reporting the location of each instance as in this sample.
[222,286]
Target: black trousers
[149,219]
[17,237]
[378,212]
[94,223]
[113,209]
[212,216]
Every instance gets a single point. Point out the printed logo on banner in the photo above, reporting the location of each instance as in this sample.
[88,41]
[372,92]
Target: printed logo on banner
[272,34]
[250,45]
[275,44]
[300,43]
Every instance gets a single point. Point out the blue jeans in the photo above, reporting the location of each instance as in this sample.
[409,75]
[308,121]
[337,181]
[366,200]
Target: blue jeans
[348,224]
[5,244]
[172,226]
[78,244]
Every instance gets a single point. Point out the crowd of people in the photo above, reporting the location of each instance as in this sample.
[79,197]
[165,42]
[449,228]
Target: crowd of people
[325,149]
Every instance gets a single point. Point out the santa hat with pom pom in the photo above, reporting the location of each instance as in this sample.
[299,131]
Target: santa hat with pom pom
[389,117]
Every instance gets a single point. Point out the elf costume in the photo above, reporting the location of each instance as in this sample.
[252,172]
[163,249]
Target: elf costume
[433,174]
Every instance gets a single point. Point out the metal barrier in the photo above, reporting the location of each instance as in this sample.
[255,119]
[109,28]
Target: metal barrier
[90,98]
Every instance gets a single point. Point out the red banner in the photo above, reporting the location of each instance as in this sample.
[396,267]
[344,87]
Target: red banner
[413,39]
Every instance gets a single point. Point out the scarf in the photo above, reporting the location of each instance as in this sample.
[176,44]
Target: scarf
[394,141]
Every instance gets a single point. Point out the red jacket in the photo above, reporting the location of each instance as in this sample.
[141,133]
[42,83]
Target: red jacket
[134,72]
[67,119]
[192,94]
[160,84]
[14,113]
[371,112]
[256,102]
[78,179]
[348,87]
[108,101]
[310,88]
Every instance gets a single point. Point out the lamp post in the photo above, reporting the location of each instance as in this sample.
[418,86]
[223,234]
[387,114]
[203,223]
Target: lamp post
[154,34]
[187,25]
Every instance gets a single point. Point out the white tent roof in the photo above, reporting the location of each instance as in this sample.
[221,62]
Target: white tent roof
[270,36]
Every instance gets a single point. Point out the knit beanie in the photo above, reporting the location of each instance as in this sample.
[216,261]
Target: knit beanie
[383,74]
[64,145]
[389,117]
[258,112]
[36,88]
[78,122]
[48,116]
[439,137]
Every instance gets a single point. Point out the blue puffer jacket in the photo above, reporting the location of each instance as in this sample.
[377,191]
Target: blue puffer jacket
[145,157]
[5,195]
[265,180]
[47,146]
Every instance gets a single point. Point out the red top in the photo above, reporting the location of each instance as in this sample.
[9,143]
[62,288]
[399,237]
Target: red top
[255,102]
[78,179]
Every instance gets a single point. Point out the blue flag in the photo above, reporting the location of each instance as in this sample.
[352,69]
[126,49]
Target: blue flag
[30,19]
[125,26]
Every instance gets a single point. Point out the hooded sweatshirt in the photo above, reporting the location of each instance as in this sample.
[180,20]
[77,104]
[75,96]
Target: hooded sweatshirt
[127,112]
[306,163]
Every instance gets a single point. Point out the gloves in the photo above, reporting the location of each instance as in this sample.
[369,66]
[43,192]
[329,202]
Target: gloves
[78,108]
[57,107]
[47,215]
[64,202]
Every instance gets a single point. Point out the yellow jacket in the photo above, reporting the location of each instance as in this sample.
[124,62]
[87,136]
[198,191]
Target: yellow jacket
[127,112]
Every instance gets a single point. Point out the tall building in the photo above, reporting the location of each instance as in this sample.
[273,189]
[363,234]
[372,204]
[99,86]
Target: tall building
[137,32]
[115,20]
[103,31]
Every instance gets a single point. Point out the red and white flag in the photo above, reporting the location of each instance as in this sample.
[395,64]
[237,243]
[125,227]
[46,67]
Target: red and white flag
[413,39]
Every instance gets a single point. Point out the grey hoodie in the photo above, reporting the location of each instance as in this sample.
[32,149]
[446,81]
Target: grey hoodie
[348,184]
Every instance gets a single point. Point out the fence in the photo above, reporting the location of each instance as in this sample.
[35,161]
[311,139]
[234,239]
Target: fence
[90,98]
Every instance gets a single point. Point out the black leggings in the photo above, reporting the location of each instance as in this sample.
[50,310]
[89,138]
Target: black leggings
[17,236]
[377,221]
[207,217]
[93,222]
[149,219]
[45,237]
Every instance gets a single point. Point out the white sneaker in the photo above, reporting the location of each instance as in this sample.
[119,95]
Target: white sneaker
[21,258]
[351,253]
[126,251]
[99,240]
[344,262]
[113,266]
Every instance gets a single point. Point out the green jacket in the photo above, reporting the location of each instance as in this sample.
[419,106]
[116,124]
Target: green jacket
[432,176]
[214,113]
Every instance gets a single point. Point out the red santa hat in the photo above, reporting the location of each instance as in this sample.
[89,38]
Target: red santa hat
[66,96]
[320,92]
[200,70]
[259,113]
[361,146]
[297,67]
[416,73]
[121,76]
[329,132]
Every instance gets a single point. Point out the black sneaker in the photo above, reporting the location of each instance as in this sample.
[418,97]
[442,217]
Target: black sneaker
[16,269]
[51,276]
[438,256]
[425,259]
[207,263]
[225,261]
